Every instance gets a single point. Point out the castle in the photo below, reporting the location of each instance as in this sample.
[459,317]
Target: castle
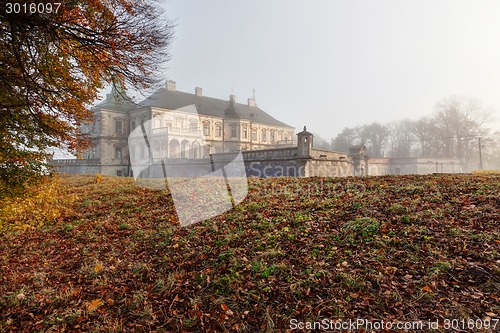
[212,135]
[226,126]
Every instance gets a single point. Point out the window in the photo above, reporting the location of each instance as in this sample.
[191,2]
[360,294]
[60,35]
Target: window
[218,130]
[272,136]
[263,135]
[119,126]
[118,153]
[245,132]
[234,131]
[206,128]
[254,134]
[119,173]
[193,126]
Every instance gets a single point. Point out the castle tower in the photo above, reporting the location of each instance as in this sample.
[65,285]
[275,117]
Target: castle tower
[304,143]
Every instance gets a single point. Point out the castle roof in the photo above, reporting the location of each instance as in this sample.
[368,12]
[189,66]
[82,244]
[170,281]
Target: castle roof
[117,100]
[172,99]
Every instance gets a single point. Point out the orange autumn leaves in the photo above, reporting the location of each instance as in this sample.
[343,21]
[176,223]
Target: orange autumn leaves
[56,65]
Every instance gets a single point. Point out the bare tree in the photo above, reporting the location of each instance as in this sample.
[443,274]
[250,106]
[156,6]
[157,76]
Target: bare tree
[402,138]
[427,133]
[374,136]
[347,138]
[320,143]
[459,121]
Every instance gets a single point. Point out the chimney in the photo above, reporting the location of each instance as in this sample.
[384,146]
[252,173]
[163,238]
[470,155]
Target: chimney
[198,91]
[170,85]
[251,102]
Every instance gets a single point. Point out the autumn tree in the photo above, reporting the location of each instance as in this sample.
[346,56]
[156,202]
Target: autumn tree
[53,64]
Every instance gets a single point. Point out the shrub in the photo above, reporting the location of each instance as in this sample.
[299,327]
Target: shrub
[365,228]
[40,205]
[99,178]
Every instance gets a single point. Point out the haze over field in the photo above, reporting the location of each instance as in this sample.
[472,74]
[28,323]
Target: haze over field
[332,64]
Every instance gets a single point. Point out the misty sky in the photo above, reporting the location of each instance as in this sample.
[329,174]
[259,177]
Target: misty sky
[334,64]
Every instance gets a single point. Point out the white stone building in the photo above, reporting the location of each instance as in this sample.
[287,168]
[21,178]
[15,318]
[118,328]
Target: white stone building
[225,124]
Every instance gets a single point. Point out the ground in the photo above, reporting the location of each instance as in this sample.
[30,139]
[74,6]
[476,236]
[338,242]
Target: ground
[295,251]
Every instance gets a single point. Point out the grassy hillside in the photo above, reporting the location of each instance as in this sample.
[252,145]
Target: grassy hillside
[395,248]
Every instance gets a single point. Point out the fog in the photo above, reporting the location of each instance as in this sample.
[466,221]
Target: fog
[335,64]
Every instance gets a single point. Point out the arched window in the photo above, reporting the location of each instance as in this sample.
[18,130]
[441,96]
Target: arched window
[174,148]
[184,149]
[218,130]
[195,150]
[206,128]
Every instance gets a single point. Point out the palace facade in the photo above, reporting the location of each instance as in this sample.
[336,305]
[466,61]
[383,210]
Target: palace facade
[225,125]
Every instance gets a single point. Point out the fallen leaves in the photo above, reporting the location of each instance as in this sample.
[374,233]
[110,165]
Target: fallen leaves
[94,304]
[427,288]
[97,268]
[393,253]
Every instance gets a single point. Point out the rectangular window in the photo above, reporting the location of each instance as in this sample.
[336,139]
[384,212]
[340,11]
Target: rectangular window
[119,126]
[218,130]
[264,135]
[245,132]
[206,129]
[272,136]
[234,131]
[119,173]
[254,134]
[118,153]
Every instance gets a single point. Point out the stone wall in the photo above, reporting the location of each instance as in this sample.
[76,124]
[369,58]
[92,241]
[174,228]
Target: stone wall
[76,166]
[328,168]
[275,162]
[408,166]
